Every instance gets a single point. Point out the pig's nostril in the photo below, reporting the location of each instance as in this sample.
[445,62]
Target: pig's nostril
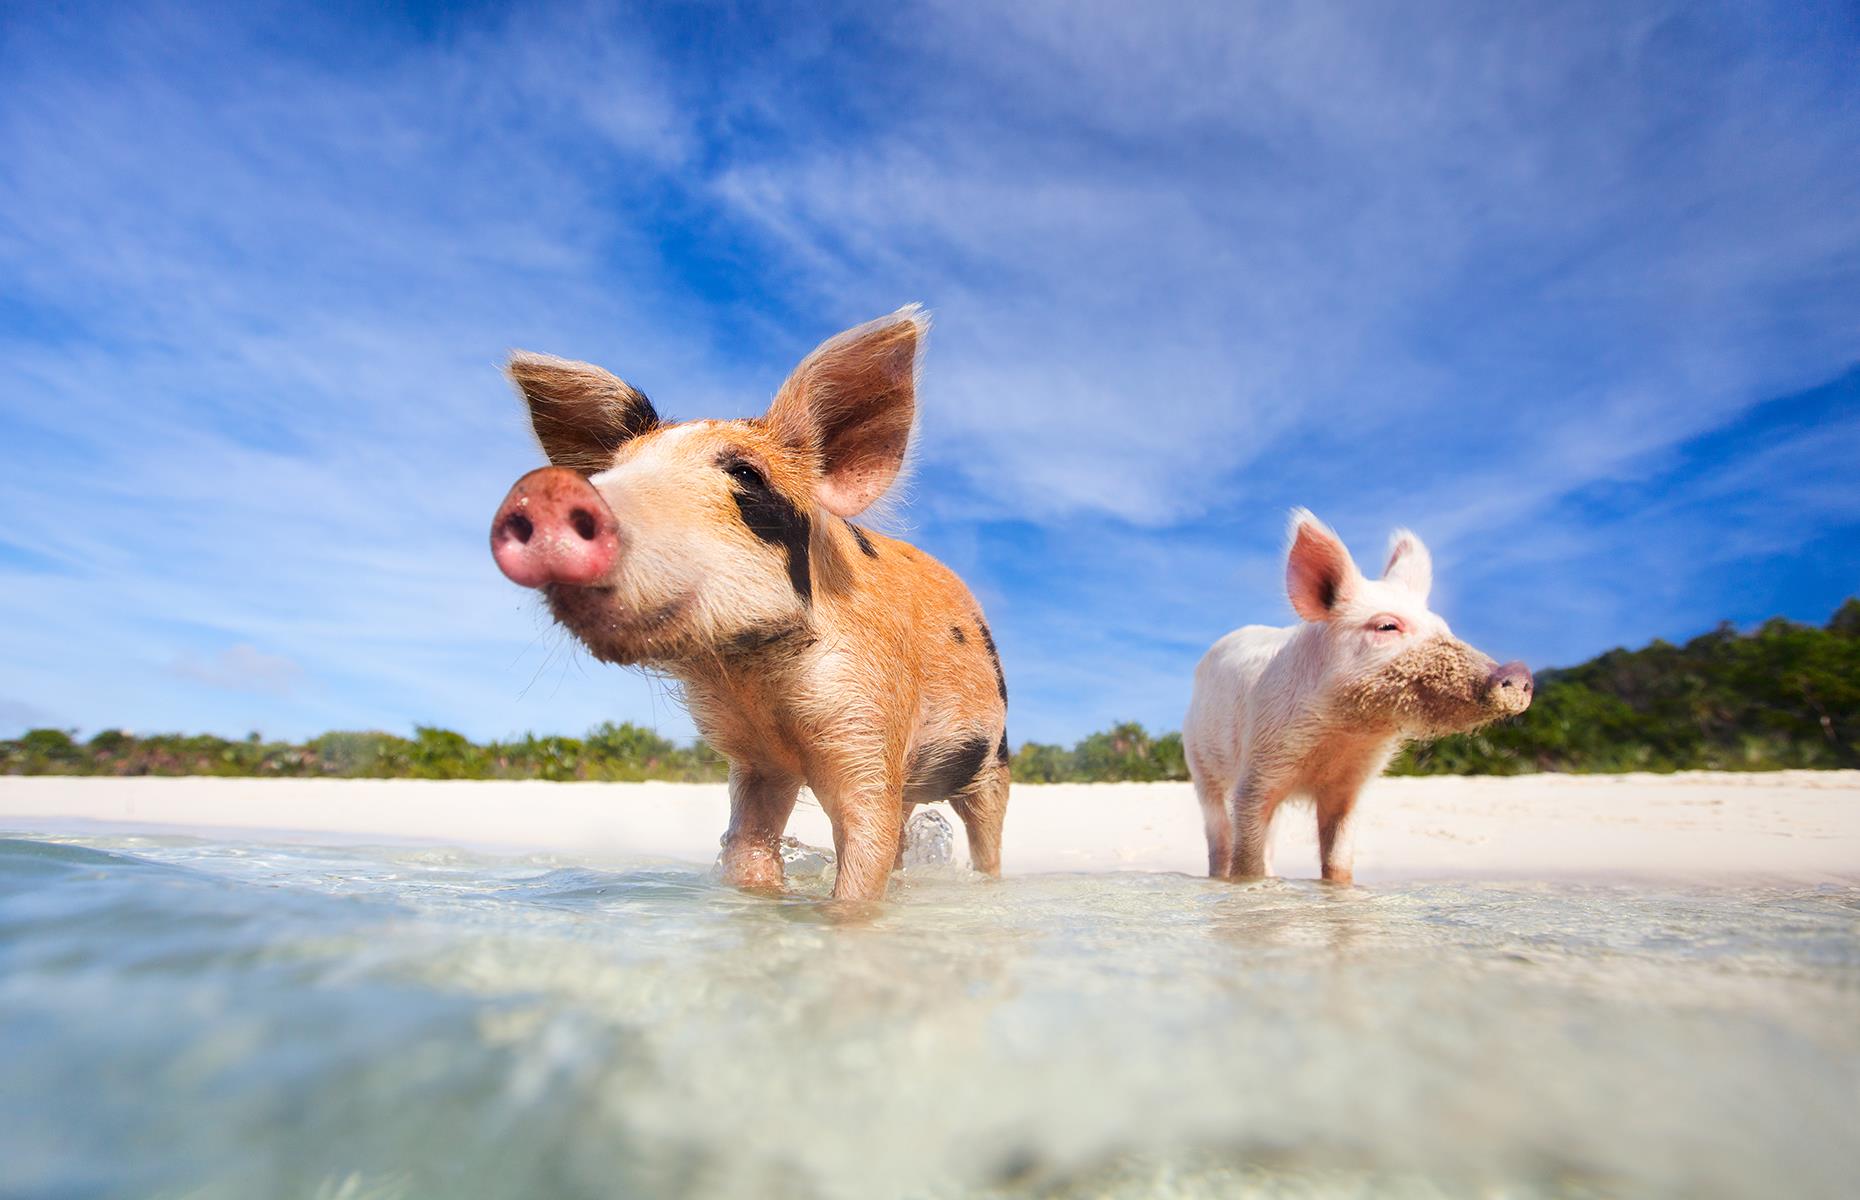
[554,528]
[1514,677]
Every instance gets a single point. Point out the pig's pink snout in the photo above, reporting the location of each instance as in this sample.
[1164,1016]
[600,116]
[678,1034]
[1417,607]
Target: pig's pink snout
[1513,676]
[554,527]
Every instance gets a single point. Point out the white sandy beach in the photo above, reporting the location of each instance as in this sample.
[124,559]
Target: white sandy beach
[1803,824]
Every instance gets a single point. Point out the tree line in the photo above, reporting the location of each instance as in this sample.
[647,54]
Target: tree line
[622,753]
[1782,695]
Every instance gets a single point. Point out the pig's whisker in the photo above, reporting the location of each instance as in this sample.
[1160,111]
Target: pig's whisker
[540,634]
[570,661]
[547,659]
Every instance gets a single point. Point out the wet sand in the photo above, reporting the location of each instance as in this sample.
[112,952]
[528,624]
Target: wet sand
[1790,824]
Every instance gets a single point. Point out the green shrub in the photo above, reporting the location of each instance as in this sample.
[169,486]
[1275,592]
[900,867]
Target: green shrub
[1784,695]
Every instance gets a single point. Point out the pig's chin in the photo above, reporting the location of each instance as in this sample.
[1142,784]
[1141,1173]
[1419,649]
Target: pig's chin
[1428,690]
[619,633]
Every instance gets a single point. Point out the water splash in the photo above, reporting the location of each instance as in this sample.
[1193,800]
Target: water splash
[928,840]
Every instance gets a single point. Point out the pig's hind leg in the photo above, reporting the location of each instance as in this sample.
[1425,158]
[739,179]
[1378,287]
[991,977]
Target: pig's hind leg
[983,809]
[1218,824]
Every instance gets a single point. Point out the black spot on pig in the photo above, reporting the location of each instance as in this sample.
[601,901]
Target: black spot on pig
[865,543]
[955,631]
[939,772]
[988,639]
[1001,752]
[771,517]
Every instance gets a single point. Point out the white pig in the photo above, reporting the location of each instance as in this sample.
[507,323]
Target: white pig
[1316,710]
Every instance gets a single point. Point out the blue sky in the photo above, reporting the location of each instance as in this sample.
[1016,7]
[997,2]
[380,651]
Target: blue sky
[1573,293]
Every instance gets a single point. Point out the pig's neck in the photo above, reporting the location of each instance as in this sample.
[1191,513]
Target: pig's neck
[744,703]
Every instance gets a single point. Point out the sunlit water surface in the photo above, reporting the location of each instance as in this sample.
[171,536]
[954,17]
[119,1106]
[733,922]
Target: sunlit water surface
[181,1017]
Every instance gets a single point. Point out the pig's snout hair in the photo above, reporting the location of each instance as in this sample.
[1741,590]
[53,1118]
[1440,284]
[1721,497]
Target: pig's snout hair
[1438,687]
[553,527]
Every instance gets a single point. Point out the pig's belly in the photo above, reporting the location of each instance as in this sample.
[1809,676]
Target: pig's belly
[959,738]
[938,771]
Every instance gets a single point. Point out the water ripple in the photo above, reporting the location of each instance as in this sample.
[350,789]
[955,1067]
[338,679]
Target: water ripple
[221,1019]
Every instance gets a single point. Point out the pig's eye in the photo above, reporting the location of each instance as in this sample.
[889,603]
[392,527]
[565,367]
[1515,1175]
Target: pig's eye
[745,474]
[1386,625]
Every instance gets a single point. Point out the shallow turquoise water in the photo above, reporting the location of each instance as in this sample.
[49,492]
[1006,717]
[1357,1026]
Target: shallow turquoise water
[185,1017]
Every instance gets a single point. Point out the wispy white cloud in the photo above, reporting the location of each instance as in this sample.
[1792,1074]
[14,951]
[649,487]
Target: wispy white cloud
[1175,246]
[241,668]
[279,421]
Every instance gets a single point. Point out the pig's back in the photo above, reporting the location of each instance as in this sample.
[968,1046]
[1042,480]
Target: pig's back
[1214,732]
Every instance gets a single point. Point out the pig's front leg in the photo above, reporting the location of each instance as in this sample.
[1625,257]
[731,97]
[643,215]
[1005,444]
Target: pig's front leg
[1255,800]
[904,822]
[1335,796]
[760,804]
[868,825]
[1336,820]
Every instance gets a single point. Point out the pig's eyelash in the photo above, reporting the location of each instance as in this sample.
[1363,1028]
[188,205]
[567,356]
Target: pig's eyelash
[1386,625]
[743,472]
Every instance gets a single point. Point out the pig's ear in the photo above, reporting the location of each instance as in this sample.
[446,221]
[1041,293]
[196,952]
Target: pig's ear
[1319,572]
[852,403]
[1409,563]
[580,413]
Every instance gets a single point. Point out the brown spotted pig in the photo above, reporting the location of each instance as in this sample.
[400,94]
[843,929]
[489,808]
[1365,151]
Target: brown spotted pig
[1316,710]
[723,553]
